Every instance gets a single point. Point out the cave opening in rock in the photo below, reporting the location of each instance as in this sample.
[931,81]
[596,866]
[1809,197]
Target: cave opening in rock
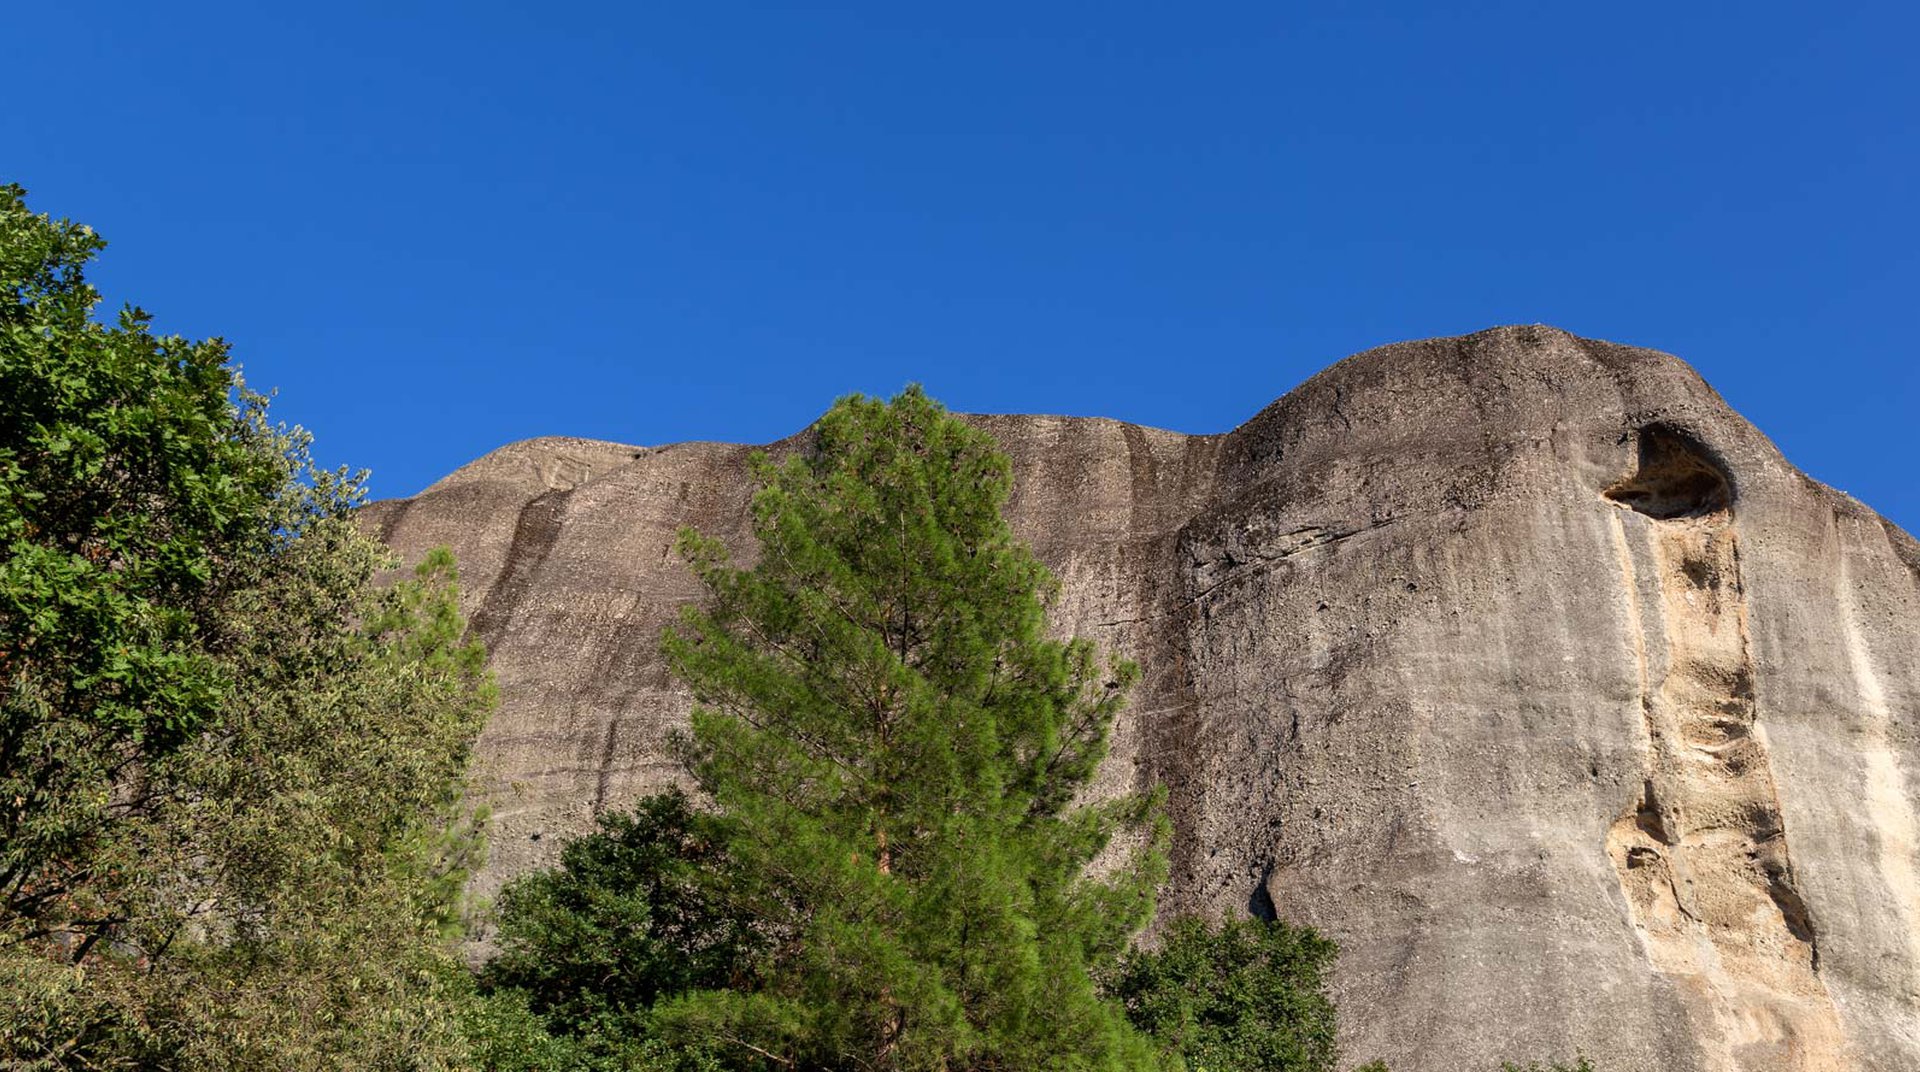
[1675,478]
[1260,905]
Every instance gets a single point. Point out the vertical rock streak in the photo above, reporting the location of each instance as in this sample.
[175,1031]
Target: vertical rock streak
[1702,855]
[1895,826]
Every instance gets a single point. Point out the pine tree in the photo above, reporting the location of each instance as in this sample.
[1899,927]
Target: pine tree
[902,751]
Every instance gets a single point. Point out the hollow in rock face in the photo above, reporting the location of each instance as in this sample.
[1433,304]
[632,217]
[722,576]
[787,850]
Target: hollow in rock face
[1675,478]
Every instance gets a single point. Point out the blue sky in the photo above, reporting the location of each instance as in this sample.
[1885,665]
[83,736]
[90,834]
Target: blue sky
[439,228]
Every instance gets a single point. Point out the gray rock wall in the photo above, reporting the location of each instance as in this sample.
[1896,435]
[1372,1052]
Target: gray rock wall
[1518,663]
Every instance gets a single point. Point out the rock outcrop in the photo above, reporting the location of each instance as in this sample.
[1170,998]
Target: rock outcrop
[1518,663]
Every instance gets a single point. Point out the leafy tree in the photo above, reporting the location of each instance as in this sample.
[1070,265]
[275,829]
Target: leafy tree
[902,752]
[230,761]
[643,908]
[1244,995]
[130,485]
[301,864]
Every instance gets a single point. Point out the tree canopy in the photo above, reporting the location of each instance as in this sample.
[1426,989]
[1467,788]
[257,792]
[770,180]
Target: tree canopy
[133,493]
[643,908]
[230,760]
[1247,994]
[901,750]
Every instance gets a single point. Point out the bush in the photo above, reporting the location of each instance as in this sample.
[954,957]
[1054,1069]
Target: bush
[641,909]
[1243,995]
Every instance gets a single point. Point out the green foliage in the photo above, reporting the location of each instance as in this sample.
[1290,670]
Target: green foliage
[131,487]
[641,909]
[1243,995]
[506,1035]
[900,749]
[231,833]
[278,898]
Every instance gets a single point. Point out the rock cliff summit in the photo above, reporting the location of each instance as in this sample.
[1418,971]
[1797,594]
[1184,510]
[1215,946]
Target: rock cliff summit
[1518,663]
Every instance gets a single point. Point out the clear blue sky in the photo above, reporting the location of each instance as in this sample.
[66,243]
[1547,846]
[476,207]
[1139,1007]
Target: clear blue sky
[441,228]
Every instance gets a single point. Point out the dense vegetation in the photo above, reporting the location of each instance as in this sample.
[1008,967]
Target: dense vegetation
[230,763]
[232,829]
[1243,995]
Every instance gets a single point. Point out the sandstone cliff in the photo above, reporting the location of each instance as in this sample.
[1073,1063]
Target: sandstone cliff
[1518,663]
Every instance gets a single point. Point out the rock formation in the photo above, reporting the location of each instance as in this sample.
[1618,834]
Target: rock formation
[1518,663]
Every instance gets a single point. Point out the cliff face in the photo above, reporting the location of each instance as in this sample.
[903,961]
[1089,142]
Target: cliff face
[1518,663]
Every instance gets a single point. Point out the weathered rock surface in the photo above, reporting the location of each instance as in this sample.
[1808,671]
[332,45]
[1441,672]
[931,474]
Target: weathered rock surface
[1518,663]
